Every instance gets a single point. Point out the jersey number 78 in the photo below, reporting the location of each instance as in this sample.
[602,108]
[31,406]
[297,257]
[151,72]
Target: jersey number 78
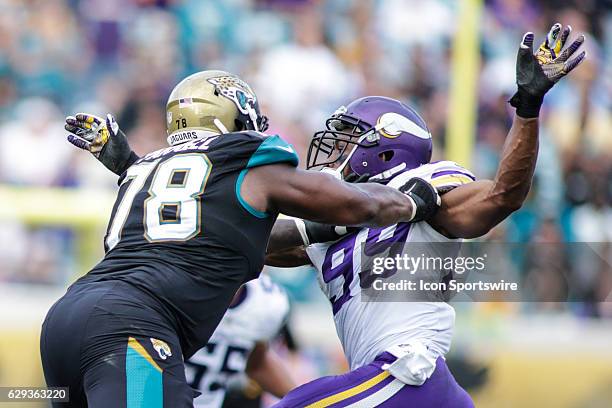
[171,212]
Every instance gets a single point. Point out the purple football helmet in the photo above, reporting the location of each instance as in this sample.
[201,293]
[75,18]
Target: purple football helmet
[390,137]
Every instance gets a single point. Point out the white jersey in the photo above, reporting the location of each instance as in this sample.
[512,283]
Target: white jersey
[367,329]
[257,316]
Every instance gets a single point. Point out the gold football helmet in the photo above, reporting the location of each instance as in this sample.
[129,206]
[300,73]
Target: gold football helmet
[212,102]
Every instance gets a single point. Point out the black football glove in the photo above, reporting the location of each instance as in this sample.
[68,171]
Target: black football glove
[101,138]
[317,232]
[536,74]
[424,196]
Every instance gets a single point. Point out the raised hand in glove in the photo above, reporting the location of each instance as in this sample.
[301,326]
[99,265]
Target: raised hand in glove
[103,139]
[536,74]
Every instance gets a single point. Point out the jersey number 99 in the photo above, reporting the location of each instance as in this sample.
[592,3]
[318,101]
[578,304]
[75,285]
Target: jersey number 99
[172,210]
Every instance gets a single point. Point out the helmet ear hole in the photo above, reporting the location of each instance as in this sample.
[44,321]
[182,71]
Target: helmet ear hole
[387,155]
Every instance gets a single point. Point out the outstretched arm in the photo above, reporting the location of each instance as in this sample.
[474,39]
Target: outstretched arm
[468,211]
[473,209]
[320,197]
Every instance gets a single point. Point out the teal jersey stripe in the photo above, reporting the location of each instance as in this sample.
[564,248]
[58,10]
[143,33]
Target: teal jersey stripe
[272,150]
[144,382]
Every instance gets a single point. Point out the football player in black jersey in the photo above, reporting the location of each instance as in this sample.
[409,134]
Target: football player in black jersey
[190,225]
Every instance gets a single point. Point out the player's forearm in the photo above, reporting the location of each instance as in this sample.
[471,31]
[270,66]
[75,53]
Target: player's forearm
[472,210]
[515,172]
[290,237]
[286,245]
[288,257]
[417,201]
[466,211]
[285,234]
[320,197]
[270,372]
[120,168]
[339,203]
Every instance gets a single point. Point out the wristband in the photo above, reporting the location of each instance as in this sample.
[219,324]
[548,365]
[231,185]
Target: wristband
[414,208]
[527,105]
[128,163]
[301,227]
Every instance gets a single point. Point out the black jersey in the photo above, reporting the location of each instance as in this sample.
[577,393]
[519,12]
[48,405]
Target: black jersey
[181,232]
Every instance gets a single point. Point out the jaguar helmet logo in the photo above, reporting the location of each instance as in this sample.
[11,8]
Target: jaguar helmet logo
[235,89]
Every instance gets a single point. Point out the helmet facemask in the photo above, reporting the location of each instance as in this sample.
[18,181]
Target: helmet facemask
[339,141]
[346,135]
[373,138]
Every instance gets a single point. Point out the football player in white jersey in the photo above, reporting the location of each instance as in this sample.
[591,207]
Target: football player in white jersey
[396,350]
[391,347]
[239,345]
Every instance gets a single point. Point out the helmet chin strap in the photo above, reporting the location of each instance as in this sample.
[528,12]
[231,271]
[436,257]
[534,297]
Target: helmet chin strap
[220,126]
[389,173]
[253,117]
[337,172]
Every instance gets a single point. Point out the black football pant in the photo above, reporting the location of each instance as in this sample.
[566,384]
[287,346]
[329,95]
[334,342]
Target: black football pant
[112,348]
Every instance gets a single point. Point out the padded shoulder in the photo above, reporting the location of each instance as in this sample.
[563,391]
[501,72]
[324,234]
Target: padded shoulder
[258,148]
[444,175]
[268,150]
[273,149]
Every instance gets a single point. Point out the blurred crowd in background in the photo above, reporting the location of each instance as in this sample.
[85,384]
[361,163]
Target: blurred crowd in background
[304,59]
